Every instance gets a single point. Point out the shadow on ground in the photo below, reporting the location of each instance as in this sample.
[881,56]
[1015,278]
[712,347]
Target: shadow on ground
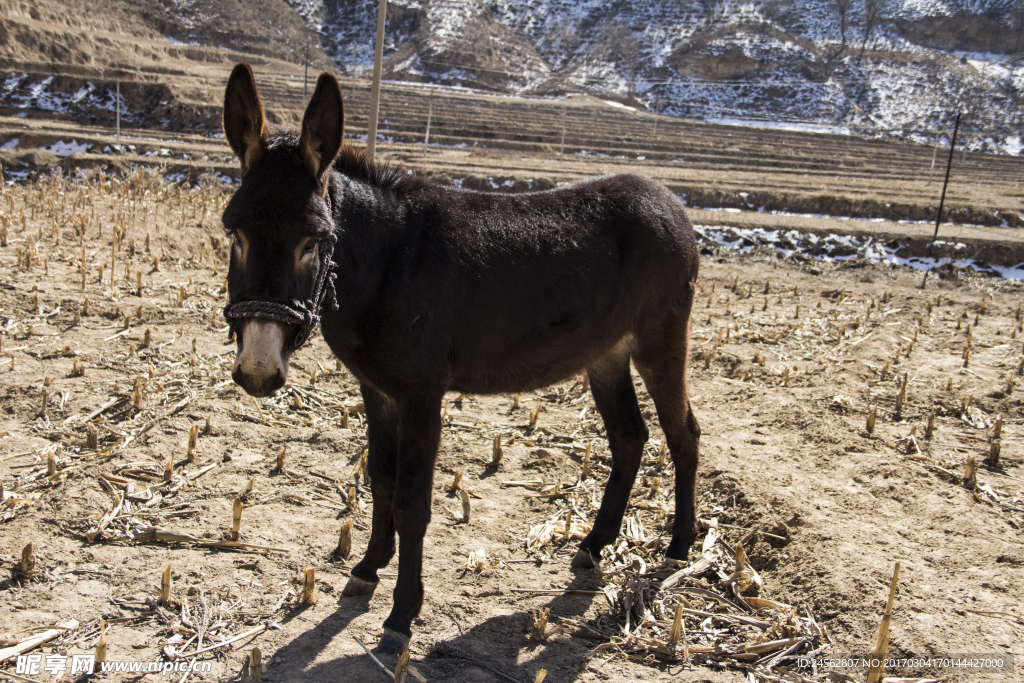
[499,642]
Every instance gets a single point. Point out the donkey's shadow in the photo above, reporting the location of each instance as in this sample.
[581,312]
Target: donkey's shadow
[501,642]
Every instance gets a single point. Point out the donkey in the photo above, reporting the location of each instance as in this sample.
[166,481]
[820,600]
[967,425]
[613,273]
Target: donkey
[420,289]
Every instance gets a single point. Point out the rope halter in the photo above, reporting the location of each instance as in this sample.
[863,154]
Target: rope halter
[304,314]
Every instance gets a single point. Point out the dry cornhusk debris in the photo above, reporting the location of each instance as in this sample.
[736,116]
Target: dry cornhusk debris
[722,618]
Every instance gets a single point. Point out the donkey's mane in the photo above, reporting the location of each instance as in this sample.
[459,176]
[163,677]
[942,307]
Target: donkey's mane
[382,175]
[352,163]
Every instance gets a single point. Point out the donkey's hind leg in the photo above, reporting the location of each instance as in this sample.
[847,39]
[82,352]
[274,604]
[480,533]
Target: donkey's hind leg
[660,357]
[382,432]
[612,386]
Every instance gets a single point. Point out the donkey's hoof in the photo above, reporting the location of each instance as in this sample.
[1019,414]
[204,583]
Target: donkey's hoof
[392,642]
[677,553]
[357,586]
[584,559]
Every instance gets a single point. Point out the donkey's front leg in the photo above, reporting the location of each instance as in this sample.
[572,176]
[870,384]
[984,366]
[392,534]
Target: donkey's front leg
[419,432]
[382,435]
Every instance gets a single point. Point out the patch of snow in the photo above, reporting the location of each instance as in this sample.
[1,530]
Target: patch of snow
[619,105]
[16,176]
[825,248]
[65,149]
[797,126]
[1012,145]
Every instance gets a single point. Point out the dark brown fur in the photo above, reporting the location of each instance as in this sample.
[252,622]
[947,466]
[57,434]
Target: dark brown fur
[441,289]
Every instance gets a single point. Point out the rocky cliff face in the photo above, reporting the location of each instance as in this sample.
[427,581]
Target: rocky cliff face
[777,60]
[963,32]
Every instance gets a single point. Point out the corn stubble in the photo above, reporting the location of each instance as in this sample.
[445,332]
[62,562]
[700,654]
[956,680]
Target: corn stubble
[344,549]
[654,610]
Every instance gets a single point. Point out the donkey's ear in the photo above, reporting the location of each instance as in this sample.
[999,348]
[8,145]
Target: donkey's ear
[244,120]
[323,127]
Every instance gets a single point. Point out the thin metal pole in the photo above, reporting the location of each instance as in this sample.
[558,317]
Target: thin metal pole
[305,74]
[371,135]
[117,116]
[935,153]
[949,164]
[657,106]
[561,152]
[430,115]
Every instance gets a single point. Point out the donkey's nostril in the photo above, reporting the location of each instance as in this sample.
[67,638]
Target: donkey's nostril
[259,367]
[259,384]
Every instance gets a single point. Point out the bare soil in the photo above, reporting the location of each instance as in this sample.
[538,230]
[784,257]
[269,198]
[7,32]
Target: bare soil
[786,457]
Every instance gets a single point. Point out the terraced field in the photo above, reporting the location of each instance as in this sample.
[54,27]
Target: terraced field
[476,135]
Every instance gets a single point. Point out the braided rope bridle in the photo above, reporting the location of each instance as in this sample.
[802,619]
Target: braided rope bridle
[304,314]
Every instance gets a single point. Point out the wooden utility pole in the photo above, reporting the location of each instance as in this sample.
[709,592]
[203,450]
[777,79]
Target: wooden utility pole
[949,164]
[378,57]
[657,106]
[942,199]
[117,115]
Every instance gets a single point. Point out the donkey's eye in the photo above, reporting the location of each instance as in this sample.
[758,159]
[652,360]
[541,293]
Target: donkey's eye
[309,248]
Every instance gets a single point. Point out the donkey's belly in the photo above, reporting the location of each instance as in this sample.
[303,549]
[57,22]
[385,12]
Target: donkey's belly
[532,364]
[497,382]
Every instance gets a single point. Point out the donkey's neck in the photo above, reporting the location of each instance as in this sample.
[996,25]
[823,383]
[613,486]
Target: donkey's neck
[372,226]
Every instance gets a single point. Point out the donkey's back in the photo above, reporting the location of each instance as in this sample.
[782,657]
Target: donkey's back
[534,287]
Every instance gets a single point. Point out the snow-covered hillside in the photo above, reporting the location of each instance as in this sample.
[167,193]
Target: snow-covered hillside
[766,61]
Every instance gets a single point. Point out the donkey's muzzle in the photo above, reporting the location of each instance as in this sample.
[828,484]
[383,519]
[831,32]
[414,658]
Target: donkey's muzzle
[261,365]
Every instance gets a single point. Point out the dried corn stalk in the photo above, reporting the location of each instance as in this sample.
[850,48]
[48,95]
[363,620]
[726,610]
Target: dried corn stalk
[901,395]
[539,628]
[881,647]
[256,664]
[236,519]
[308,596]
[464,494]
[27,565]
[971,473]
[344,548]
[165,586]
[994,449]
[477,560]
[193,437]
[101,644]
[496,450]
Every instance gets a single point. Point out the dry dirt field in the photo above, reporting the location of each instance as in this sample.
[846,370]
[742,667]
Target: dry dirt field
[114,351]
